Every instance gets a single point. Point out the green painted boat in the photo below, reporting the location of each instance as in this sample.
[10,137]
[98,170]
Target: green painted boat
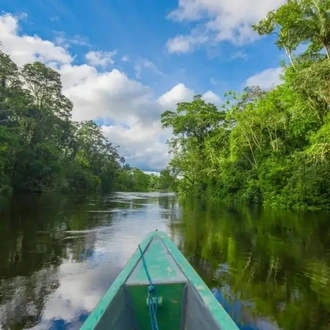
[159,290]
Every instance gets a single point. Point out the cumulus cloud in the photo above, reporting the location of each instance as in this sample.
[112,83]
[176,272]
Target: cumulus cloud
[215,21]
[177,94]
[180,93]
[105,94]
[187,43]
[100,58]
[150,153]
[211,97]
[265,79]
[24,48]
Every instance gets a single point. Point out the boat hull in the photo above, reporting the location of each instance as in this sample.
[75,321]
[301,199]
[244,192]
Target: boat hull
[184,300]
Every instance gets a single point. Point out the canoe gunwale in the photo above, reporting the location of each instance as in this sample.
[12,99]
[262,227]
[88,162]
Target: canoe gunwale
[121,279]
[218,312]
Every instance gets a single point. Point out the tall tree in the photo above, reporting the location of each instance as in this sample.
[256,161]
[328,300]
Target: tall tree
[299,22]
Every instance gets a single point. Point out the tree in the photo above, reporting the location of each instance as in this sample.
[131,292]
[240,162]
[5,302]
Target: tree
[299,22]
[192,124]
[268,147]
[41,148]
[167,181]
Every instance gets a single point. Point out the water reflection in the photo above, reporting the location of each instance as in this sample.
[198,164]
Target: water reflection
[273,266]
[59,254]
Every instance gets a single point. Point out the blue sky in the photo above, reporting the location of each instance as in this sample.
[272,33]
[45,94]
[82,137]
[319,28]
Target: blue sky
[161,52]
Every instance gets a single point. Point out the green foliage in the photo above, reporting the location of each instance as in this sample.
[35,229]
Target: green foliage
[299,22]
[166,181]
[268,147]
[42,149]
[133,179]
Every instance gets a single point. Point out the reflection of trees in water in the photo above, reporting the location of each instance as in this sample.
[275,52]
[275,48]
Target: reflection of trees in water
[277,260]
[36,234]
[80,247]
[35,231]
[39,232]
[170,208]
[129,201]
[140,201]
[167,201]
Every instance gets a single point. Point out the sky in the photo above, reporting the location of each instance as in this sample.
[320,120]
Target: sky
[124,62]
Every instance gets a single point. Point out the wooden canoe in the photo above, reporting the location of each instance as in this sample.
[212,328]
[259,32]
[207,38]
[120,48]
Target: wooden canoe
[176,298]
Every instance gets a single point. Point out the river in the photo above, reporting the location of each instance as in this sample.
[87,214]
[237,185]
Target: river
[59,254]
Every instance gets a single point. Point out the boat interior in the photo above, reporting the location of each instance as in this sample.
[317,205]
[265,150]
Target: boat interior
[180,305]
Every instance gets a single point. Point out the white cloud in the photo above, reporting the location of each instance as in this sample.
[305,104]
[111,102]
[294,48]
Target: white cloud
[73,75]
[180,93]
[24,48]
[211,97]
[185,44]
[100,58]
[112,94]
[265,79]
[64,41]
[141,145]
[152,172]
[177,94]
[146,64]
[215,21]
[105,94]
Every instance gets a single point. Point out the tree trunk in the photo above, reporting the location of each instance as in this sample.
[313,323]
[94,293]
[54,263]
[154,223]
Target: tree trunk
[288,53]
[326,47]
